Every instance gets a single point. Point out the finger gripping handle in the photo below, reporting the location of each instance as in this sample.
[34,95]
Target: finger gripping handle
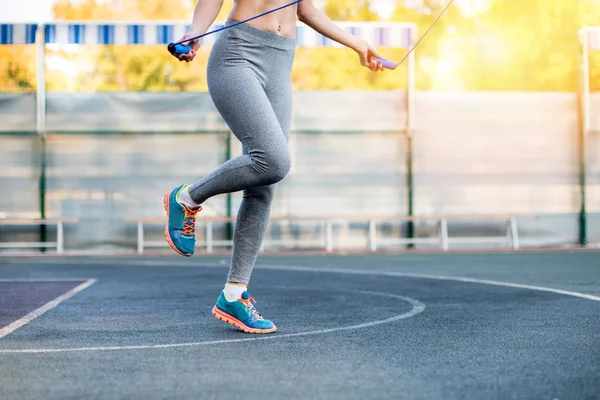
[178,49]
[386,63]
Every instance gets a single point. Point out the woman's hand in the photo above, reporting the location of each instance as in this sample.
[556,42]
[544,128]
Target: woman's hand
[205,14]
[195,46]
[320,22]
[367,54]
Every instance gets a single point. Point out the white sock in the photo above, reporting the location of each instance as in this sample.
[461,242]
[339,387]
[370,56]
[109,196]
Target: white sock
[233,291]
[185,198]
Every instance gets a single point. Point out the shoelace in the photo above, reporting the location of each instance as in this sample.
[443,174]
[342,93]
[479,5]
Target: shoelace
[189,221]
[248,303]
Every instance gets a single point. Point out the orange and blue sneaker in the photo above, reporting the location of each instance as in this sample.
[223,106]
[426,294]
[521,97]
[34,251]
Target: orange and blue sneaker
[181,223]
[242,314]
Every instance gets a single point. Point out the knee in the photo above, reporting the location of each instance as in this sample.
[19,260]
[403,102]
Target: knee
[272,167]
[279,167]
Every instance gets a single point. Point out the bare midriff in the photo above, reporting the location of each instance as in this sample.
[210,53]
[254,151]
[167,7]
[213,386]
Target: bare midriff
[282,22]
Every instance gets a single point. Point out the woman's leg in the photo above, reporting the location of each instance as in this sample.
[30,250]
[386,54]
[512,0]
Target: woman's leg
[255,209]
[241,99]
[250,227]
[237,89]
[249,83]
[273,63]
[234,304]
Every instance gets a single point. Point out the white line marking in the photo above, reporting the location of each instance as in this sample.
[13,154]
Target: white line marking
[508,284]
[417,307]
[380,273]
[7,330]
[438,277]
[333,270]
[309,269]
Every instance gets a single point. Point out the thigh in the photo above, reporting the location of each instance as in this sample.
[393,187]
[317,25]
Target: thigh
[280,97]
[243,103]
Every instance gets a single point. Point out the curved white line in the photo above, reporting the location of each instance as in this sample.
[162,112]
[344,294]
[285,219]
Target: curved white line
[382,273]
[417,307]
[314,269]
[436,277]
[334,270]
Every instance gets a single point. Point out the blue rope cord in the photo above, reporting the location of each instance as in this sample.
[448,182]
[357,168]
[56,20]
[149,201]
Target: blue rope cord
[177,45]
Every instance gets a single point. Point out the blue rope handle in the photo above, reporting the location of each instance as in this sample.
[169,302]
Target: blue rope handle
[177,48]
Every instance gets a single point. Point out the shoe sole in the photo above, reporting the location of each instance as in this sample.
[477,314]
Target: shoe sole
[167,236]
[220,315]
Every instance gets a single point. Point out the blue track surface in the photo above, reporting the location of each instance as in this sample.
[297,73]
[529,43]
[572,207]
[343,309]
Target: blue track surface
[350,327]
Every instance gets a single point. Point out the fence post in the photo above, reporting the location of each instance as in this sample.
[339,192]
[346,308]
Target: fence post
[410,91]
[59,238]
[584,128]
[41,121]
[329,237]
[41,79]
[444,233]
[140,237]
[209,237]
[514,233]
[372,236]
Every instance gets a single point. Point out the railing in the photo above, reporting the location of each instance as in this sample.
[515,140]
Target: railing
[443,240]
[59,222]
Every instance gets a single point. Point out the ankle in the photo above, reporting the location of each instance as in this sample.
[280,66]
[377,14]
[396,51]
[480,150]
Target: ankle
[185,198]
[234,290]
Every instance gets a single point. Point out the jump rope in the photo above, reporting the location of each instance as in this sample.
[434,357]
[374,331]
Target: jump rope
[178,48]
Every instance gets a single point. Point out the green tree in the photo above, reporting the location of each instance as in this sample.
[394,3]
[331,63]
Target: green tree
[17,68]
[505,45]
[350,10]
[126,68]
[541,42]
[508,45]
[442,52]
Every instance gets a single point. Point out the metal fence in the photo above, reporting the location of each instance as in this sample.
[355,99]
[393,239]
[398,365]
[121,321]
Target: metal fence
[105,157]
[472,154]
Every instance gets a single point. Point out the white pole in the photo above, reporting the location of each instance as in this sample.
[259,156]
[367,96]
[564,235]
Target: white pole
[514,233]
[59,238]
[209,237]
[586,82]
[410,91]
[140,238]
[372,236]
[41,80]
[329,236]
[444,233]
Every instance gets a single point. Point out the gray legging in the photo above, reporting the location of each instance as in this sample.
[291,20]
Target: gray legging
[249,82]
